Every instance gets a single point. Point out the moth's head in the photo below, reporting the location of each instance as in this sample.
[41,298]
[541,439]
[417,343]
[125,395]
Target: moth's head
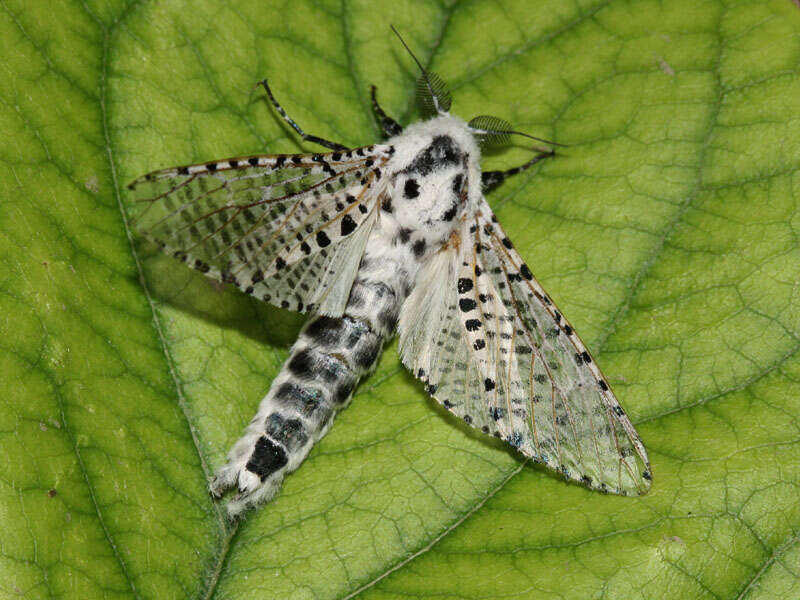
[435,100]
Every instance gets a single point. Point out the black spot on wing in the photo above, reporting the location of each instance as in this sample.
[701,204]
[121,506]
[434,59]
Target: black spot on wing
[323,239]
[473,324]
[496,413]
[348,225]
[464,285]
[467,304]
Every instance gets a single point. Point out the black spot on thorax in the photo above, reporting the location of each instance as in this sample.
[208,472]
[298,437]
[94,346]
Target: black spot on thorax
[440,153]
[411,189]
[450,213]
[458,183]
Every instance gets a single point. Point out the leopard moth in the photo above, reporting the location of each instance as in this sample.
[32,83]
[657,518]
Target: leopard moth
[392,238]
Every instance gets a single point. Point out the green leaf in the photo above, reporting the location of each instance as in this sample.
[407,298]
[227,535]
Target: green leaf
[668,231]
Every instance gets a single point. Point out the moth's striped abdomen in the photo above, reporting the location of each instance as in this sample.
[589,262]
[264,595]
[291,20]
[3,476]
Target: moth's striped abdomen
[324,366]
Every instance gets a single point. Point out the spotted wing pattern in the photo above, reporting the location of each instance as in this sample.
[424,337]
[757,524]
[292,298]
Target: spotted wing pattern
[495,350]
[288,229]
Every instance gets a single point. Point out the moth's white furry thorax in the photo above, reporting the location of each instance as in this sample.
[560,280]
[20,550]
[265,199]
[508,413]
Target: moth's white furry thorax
[434,180]
[418,135]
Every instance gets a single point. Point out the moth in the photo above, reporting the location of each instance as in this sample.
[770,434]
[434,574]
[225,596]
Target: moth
[385,238]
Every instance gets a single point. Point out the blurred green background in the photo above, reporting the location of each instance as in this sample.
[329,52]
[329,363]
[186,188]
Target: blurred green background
[668,232]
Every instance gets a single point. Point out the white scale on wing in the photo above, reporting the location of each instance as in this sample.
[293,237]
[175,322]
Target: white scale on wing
[494,349]
[289,230]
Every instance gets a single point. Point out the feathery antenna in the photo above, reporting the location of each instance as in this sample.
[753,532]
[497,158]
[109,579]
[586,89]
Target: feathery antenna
[436,87]
[497,131]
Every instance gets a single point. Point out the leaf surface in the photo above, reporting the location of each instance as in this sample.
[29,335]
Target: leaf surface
[667,231]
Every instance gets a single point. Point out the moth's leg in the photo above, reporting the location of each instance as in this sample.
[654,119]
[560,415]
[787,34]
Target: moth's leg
[491,179]
[296,127]
[389,126]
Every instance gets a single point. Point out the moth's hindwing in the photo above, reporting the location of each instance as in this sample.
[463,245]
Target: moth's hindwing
[495,350]
[288,229]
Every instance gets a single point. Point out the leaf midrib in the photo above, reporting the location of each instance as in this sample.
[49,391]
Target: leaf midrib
[773,558]
[226,530]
